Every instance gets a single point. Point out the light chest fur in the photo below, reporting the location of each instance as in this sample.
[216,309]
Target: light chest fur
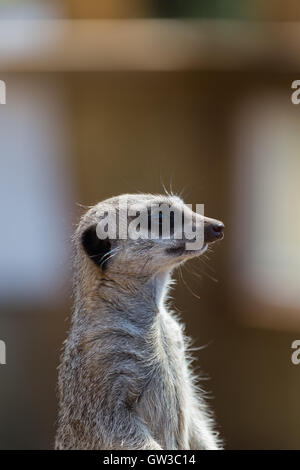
[163,405]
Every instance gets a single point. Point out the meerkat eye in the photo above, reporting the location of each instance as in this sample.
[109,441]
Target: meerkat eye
[160,221]
[97,249]
[172,221]
[160,217]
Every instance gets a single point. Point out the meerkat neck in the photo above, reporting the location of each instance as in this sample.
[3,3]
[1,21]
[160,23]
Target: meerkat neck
[162,282]
[126,296]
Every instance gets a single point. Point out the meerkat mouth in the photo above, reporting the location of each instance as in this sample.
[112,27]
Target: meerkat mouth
[181,250]
[197,252]
[176,251]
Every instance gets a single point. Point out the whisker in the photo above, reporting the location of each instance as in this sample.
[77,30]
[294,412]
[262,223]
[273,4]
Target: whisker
[164,186]
[83,206]
[194,273]
[187,286]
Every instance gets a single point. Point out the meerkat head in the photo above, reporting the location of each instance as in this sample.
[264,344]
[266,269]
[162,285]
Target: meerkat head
[143,234]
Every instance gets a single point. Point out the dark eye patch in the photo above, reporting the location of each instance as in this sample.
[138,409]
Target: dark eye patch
[160,217]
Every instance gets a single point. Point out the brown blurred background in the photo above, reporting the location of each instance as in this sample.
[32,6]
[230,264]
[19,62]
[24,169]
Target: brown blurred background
[123,96]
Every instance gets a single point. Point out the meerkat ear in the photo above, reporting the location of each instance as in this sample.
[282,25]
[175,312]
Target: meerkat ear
[95,248]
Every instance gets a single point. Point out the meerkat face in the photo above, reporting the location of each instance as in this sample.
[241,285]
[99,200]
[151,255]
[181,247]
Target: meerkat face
[145,234]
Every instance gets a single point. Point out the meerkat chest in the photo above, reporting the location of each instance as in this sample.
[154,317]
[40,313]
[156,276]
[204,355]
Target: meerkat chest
[163,403]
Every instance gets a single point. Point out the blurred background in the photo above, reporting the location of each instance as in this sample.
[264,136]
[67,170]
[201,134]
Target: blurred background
[120,96]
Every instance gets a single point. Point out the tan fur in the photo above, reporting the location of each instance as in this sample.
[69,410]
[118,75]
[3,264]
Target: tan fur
[125,380]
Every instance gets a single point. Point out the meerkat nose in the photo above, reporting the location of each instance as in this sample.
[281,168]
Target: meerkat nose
[213,230]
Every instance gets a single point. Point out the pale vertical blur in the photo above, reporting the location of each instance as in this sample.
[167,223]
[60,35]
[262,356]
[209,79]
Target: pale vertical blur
[35,190]
[267,214]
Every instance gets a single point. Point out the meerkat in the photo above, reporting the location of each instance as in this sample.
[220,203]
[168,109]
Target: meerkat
[125,378]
